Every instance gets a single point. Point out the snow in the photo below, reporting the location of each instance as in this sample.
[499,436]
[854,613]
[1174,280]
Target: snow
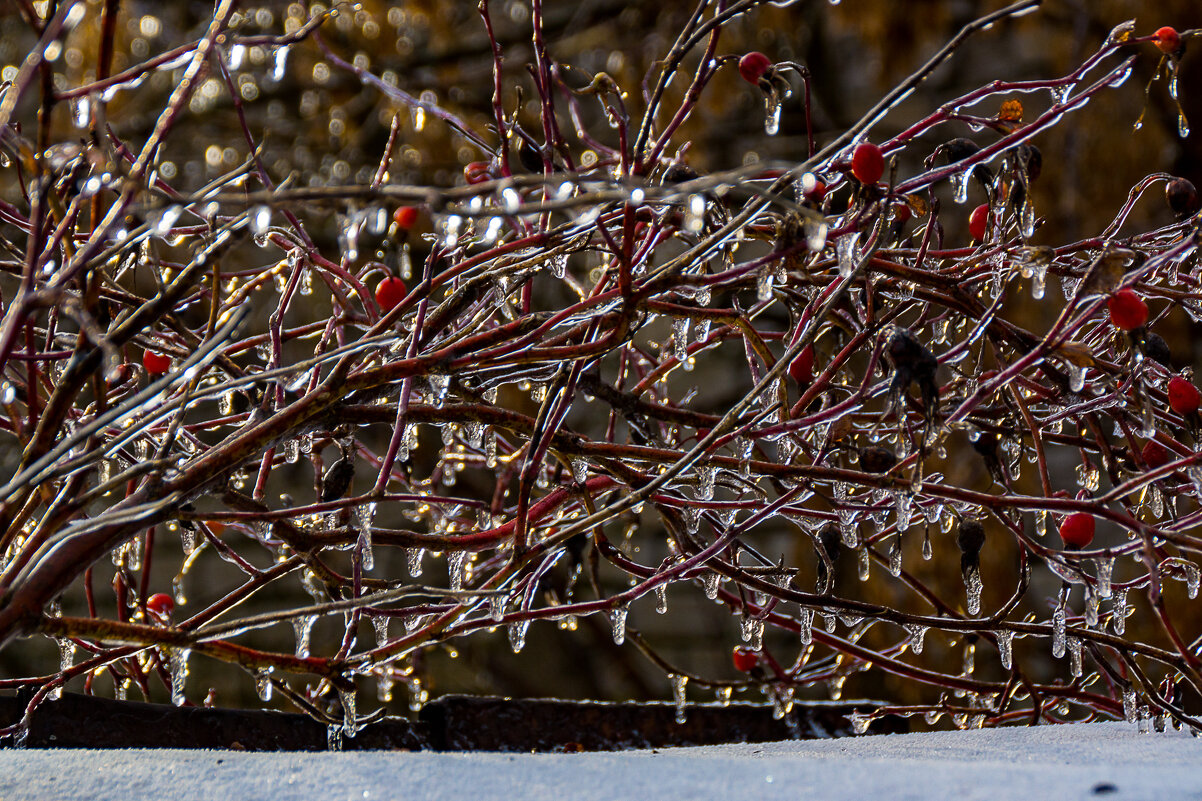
[1086,761]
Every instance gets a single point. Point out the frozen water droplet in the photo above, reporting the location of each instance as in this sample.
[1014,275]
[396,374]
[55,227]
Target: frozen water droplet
[679,684]
[772,106]
[960,185]
[710,580]
[517,634]
[291,451]
[846,251]
[723,695]
[617,619]
[263,684]
[1059,637]
[413,557]
[753,632]
[815,233]
[496,606]
[661,598]
[927,550]
[1130,704]
[303,627]
[1182,125]
[1074,656]
[1076,376]
[917,637]
[260,219]
[1005,647]
[805,624]
[580,470]
[859,723]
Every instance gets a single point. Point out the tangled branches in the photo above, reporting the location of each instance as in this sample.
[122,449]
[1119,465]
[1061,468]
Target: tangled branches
[591,375]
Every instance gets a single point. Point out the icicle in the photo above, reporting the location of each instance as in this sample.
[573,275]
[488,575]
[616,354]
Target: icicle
[960,183]
[496,606]
[661,598]
[364,516]
[917,637]
[263,684]
[970,656]
[895,557]
[834,687]
[1119,612]
[815,233]
[845,250]
[680,340]
[678,695]
[1059,620]
[710,580]
[179,673]
[1039,277]
[972,590]
[350,720]
[859,722]
[439,383]
[1091,609]
[772,105]
[1027,223]
[1144,720]
[1074,656]
[707,475]
[1005,647]
[753,632]
[617,619]
[1105,571]
[1130,704]
[413,556]
[862,567]
[927,550]
[66,653]
[303,627]
[805,620]
[517,634]
[334,737]
[692,518]
[456,564]
[763,286]
[723,695]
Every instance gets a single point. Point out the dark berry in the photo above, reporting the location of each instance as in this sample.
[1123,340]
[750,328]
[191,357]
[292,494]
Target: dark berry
[1182,197]
[1156,455]
[971,536]
[679,174]
[1155,348]
[875,459]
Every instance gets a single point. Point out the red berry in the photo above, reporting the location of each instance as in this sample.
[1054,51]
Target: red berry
[155,363]
[389,292]
[753,66]
[1156,455]
[1077,529]
[1183,396]
[405,217]
[867,163]
[160,605]
[745,659]
[802,366]
[1127,310]
[478,172]
[978,222]
[1168,40]
[902,212]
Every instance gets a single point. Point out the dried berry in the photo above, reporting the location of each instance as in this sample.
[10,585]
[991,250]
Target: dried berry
[1128,311]
[912,364]
[867,163]
[745,658]
[801,369]
[1182,197]
[1156,455]
[337,479]
[971,536]
[978,222]
[530,156]
[477,172]
[875,459]
[160,605]
[753,66]
[679,174]
[156,363]
[405,217]
[1153,346]
[1077,530]
[957,149]
[1183,396]
[389,292]
[830,541]
[1168,40]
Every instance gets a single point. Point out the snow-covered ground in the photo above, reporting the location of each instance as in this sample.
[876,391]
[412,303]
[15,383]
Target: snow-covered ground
[1103,760]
